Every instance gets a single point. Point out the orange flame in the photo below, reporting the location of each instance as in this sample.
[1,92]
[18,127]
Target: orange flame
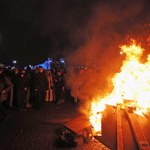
[132,83]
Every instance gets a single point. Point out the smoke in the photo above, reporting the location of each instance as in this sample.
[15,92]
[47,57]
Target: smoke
[51,27]
[92,64]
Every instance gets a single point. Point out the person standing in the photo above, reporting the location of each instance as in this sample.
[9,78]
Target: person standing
[15,76]
[28,95]
[22,84]
[40,87]
[5,86]
[59,87]
[49,90]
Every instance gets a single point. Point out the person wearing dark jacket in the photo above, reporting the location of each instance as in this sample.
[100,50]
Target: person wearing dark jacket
[59,87]
[40,87]
[21,89]
[5,86]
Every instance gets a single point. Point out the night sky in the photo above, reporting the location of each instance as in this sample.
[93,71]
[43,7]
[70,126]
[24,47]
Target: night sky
[32,30]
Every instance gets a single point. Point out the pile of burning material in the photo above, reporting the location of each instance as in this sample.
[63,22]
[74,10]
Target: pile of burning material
[87,135]
[147,113]
[129,105]
[131,88]
[82,129]
[67,138]
[132,82]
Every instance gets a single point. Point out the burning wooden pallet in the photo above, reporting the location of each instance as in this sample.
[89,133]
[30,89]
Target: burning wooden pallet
[119,129]
[139,135]
[82,128]
[78,124]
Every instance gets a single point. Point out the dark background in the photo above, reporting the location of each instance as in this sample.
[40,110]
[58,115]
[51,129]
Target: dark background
[32,30]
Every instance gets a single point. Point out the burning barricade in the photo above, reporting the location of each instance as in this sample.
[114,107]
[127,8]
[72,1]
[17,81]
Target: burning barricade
[131,86]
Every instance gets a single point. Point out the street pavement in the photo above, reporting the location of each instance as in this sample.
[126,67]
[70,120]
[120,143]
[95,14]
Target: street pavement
[35,129]
[41,129]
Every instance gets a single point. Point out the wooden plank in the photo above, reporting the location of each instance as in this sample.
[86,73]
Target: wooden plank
[81,126]
[78,124]
[138,133]
[119,129]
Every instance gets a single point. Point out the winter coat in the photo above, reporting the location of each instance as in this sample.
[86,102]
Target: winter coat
[5,84]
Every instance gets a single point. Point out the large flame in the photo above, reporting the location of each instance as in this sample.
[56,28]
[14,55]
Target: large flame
[132,83]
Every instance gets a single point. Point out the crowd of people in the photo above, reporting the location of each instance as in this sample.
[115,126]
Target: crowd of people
[22,88]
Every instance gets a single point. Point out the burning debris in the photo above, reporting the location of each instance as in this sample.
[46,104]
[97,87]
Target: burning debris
[131,86]
[67,138]
[87,135]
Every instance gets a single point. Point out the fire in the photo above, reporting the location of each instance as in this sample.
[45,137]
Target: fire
[131,84]
[97,108]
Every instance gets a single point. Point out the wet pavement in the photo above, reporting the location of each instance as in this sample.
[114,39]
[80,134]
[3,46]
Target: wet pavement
[37,129]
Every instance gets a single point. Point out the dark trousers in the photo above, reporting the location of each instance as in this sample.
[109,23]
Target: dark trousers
[21,97]
[2,109]
[39,98]
[60,94]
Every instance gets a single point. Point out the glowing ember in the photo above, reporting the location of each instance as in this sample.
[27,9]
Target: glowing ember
[132,83]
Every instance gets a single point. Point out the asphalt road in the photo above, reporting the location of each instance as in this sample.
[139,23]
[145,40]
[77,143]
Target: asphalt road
[39,129]
[34,129]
